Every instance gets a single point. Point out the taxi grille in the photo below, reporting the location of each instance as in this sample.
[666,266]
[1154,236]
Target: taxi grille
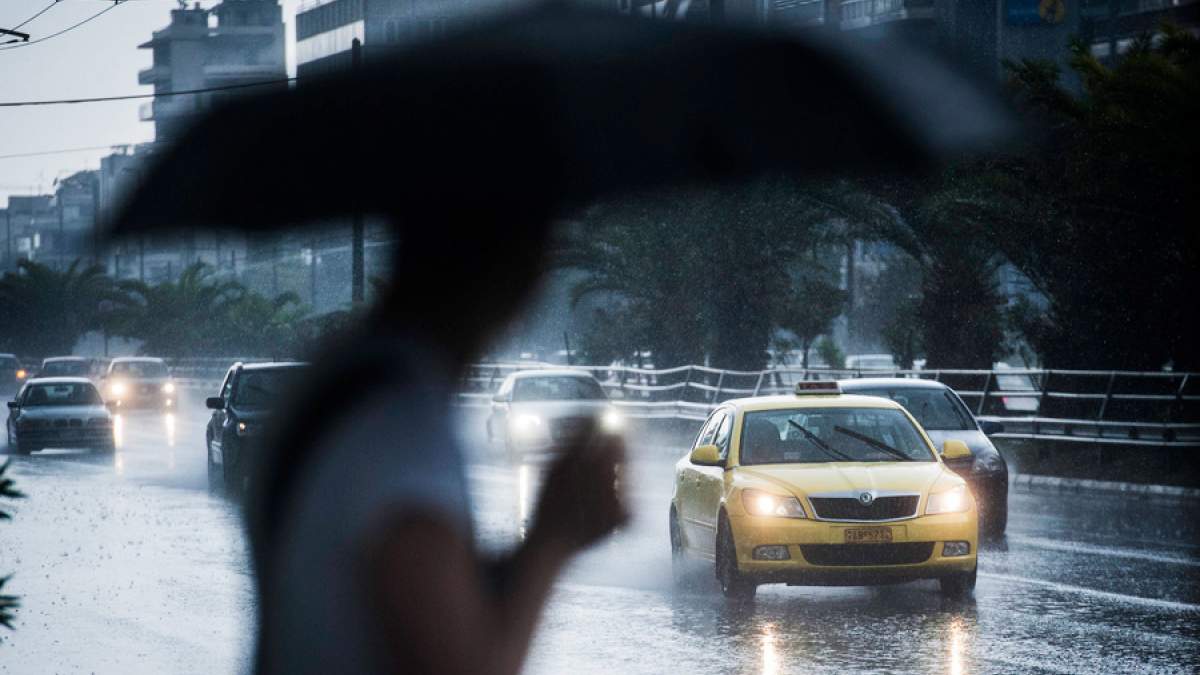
[848,508]
[907,553]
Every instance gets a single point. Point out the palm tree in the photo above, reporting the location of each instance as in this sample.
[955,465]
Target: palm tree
[187,317]
[49,309]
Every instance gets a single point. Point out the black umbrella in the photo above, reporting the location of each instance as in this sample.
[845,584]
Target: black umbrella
[532,112]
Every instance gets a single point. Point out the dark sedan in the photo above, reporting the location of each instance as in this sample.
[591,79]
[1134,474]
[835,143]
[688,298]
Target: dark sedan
[250,394]
[944,416]
[59,412]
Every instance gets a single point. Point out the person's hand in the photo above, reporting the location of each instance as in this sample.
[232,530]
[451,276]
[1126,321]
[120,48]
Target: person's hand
[580,501]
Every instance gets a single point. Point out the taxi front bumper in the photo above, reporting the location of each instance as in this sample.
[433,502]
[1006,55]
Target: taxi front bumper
[818,552]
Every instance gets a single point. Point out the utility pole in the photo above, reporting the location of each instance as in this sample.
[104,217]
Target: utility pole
[357,262]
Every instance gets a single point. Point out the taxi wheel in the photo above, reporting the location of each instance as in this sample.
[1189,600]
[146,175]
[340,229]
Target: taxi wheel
[734,584]
[959,586]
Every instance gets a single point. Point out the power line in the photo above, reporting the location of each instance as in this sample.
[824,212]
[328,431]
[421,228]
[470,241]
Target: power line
[116,3]
[64,151]
[128,97]
[43,11]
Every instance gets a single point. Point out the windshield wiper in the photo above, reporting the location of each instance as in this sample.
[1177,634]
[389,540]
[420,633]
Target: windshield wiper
[821,444]
[873,443]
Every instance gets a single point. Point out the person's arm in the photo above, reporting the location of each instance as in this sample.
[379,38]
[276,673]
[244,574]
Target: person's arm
[439,611]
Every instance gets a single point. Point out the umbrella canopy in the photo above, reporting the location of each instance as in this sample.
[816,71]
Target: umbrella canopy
[537,111]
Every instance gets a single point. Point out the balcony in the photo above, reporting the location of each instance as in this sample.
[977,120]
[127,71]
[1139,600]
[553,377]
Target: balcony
[865,13]
[219,72]
[154,74]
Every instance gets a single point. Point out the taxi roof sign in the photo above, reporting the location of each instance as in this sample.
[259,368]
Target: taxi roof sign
[817,388]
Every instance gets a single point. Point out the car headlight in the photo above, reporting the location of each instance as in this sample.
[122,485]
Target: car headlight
[244,429]
[22,373]
[954,500]
[611,421]
[169,388]
[527,425]
[759,503]
[117,388]
[990,463]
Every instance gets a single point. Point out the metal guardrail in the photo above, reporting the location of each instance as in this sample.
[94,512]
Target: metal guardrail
[1133,408]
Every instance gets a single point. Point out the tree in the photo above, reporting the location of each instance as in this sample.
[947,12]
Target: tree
[700,272]
[1100,211]
[49,310]
[808,311]
[186,317]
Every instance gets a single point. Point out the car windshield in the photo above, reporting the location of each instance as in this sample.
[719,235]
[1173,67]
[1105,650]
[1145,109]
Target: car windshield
[935,408]
[8,363]
[263,389]
[140,368]
[810,435]
[563,388]
[64,369]
[68,393]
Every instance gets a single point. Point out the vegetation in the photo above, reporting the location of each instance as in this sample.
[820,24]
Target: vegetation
[8,603]
[55,307]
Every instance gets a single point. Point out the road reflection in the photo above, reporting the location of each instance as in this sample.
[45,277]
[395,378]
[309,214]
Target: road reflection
[770,654]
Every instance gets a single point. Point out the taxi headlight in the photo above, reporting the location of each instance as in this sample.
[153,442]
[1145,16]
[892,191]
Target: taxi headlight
[954,500]
[611,421]
[117,388]
[759,503]
[169,388]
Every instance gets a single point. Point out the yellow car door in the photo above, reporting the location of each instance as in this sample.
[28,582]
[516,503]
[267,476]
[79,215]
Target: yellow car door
[710,487]
[692,523]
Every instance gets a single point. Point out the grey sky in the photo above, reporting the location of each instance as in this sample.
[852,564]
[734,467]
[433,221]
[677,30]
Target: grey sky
[100,58]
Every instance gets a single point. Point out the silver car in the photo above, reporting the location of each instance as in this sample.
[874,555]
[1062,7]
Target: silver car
[59,412]
[535,409]
[944,416]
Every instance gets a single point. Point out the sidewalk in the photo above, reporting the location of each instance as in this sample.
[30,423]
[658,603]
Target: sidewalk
[1038,483]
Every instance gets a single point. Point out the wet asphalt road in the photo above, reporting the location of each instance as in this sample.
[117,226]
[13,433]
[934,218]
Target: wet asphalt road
[127,564]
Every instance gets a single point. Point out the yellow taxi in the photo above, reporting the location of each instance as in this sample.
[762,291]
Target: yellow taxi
[822,488]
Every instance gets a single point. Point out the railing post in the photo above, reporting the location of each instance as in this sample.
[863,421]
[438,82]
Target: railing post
[1042,393]
[717,394]
[1112,377]
[987,386]
[758,384]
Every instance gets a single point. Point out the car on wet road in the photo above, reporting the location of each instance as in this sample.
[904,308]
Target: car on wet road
[250,394]
[823,488]
[533,410]
[12,375]
[944,416]
[139,382]
[59,412]
[66,366]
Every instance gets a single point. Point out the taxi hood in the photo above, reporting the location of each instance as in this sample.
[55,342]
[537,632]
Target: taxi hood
[827,477]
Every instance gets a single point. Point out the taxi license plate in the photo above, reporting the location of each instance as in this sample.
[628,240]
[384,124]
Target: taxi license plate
[869,535]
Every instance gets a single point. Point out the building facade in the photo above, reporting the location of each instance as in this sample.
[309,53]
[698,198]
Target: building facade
[235,43]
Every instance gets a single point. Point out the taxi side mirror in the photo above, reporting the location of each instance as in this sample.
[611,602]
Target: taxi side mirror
[707,455]
[955,449]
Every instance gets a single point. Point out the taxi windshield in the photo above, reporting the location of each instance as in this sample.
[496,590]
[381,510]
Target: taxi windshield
[812,435]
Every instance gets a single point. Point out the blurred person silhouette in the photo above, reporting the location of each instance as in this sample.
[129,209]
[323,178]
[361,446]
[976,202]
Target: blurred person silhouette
[359,519]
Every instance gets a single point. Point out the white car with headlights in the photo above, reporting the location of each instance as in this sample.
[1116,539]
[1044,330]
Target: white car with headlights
[138,382]
[534,410]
